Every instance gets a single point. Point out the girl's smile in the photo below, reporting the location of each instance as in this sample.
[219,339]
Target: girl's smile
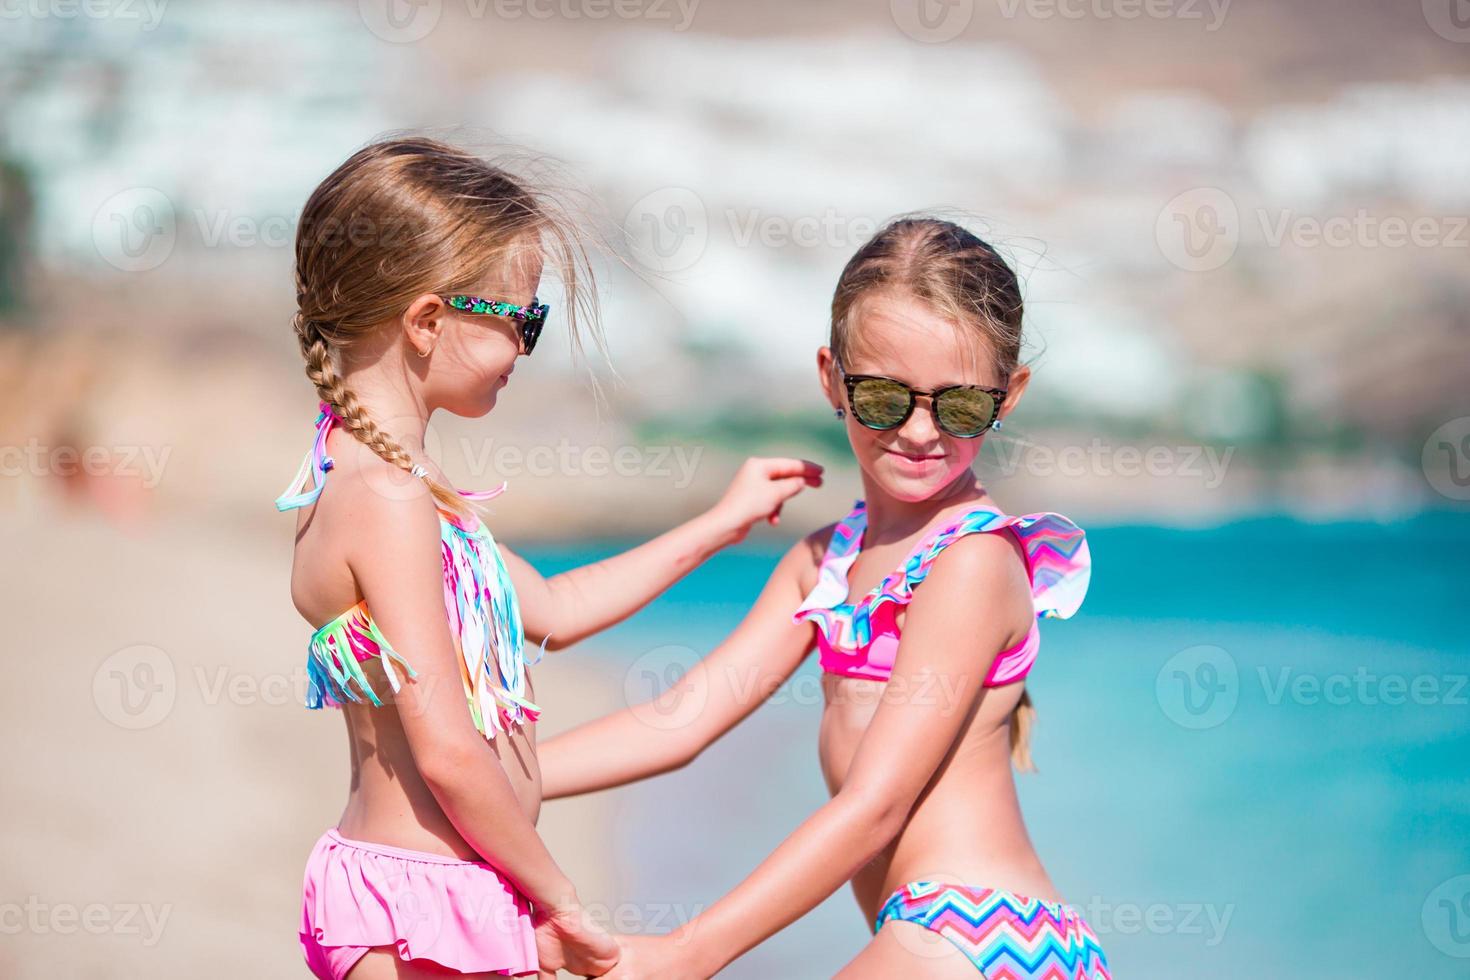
[917,465]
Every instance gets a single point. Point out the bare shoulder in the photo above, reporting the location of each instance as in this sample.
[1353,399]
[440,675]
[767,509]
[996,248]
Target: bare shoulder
[371,520]
[373,504]
[991,567]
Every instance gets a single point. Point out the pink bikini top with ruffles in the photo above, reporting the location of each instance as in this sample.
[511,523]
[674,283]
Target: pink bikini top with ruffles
[860,639]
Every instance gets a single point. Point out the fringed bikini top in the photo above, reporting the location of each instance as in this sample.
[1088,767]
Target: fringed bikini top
[860,639]
[484,616]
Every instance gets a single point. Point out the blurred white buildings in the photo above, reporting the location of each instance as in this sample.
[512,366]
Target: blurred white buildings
[1406,142]
[752,168]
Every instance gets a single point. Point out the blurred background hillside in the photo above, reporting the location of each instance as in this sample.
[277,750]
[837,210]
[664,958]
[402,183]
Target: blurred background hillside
[1242,228]
[1244,231]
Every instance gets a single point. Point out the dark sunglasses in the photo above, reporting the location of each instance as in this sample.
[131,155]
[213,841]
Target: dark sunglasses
[530,318]
[963,411]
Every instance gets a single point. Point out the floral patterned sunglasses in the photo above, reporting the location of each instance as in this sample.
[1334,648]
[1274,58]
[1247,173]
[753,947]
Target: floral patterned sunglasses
[530,318]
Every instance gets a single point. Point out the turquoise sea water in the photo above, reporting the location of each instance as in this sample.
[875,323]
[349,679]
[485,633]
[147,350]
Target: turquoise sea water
[1254,746]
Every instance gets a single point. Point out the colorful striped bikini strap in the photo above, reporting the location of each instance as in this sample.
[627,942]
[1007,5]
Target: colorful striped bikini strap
[314,468]
[317,464]
[847,536]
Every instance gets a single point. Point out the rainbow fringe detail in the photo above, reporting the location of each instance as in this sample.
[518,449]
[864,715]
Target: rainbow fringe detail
[485,620]
[335,654]
[479,599]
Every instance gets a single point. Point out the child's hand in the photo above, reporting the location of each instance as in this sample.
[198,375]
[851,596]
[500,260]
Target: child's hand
[654,958]
[759,489]
[567,940]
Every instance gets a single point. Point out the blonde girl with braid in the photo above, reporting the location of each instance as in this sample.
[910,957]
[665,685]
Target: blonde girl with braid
[417,267]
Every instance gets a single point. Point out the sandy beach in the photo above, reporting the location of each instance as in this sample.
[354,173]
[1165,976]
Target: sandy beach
[164,783]
[1241,231]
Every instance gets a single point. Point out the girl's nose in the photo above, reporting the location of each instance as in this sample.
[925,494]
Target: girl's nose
[919,428]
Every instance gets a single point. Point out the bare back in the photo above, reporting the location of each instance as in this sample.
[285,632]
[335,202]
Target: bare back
[388,801]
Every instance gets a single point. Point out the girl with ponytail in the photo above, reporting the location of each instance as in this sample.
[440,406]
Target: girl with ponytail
[922,604]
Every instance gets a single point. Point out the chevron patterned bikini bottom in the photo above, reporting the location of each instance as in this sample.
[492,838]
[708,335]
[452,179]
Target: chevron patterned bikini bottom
[1006,936]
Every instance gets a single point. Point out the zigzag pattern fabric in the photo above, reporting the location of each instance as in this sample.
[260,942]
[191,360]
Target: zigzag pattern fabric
[1006,936]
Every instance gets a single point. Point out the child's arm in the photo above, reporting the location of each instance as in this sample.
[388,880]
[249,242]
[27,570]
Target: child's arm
[716,694]
[398,567]
[575,604]
[971,602]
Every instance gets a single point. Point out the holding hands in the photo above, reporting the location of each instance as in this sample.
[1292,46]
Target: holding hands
[663,957]
[567,939]
[655,957]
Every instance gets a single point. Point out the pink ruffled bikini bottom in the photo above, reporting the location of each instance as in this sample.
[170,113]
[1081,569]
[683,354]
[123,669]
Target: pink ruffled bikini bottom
[459,914]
